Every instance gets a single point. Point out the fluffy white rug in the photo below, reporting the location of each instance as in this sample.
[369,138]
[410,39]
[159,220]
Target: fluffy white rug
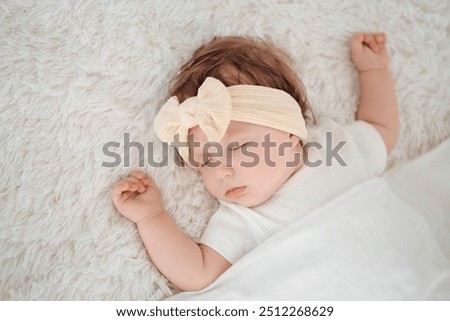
[78,74]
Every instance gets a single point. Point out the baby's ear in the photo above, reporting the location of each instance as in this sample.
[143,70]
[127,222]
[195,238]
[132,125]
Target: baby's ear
[294,139]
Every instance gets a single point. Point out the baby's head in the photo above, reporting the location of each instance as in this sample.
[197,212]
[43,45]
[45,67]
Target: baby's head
[239,61]
[242,112]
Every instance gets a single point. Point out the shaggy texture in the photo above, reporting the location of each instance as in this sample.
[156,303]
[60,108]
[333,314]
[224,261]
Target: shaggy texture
[78,74]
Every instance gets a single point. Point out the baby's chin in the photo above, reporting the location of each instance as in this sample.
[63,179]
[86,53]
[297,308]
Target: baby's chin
[248,201]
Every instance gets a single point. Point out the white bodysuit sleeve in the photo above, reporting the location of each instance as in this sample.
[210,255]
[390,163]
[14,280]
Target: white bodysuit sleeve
[228,234]
[370,146]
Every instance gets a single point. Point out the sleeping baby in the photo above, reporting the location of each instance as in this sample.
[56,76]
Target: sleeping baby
[237,114]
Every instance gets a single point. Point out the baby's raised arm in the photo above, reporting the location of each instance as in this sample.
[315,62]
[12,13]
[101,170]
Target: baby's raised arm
[378,103]
[189,266]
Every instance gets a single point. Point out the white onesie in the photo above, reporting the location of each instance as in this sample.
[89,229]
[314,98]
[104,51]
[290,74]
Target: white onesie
[235,230]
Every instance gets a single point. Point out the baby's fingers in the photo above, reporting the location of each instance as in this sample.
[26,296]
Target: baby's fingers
[120,188]
[121,193]
[137,174]
[135,184]
[145,179]
[371,42]
[357,42]
[127,184]
[380,38]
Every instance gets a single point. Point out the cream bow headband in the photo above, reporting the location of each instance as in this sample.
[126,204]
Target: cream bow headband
[215,105]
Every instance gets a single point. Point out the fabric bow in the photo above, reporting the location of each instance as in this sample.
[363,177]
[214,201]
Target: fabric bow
[210,109]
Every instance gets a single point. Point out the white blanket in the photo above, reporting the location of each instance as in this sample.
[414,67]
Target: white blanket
[386,239]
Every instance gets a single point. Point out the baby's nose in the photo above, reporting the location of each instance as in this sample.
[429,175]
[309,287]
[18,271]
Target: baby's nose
[224,169]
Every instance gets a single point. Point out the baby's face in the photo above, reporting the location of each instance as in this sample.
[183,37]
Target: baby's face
[248,165]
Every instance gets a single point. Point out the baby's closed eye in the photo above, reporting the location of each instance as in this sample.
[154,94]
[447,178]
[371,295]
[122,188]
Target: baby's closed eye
[205,163]
[238,146]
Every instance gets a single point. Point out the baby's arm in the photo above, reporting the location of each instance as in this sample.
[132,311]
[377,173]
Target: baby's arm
[187,265]
[378,103]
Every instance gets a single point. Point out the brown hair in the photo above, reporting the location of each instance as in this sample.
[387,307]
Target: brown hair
[235,61]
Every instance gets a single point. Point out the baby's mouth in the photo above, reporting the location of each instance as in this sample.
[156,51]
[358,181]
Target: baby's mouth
[235,191]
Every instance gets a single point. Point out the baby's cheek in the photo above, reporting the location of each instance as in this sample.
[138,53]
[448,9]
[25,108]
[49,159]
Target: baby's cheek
[245,160]
[210,180]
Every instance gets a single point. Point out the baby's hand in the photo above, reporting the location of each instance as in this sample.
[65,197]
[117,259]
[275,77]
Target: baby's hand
[137,198]
[369,51]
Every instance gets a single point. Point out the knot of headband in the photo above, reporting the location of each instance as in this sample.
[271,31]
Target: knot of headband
[215,105]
